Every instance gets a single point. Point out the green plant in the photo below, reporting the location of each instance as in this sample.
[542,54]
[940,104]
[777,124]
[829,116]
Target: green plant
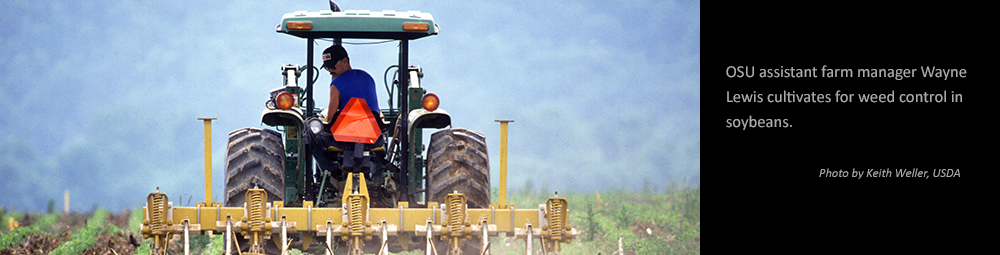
[45,223]
[51,207]
[622,217]
[18,235]
[6,219]
[84,239]
[200,243]
[293,252]
[692,204]
[144,247]
[528,189]
[135,220]
[216,246]
[593,228]
[14,237]
[494,195]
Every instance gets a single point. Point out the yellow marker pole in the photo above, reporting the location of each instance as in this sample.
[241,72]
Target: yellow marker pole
[66,202]
[503,163]
[208,160]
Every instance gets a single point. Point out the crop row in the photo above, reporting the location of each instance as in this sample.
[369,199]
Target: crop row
[79,239]
[18,234]
[84,238]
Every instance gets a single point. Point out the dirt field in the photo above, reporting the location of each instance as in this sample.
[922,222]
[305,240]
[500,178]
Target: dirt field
[46,238]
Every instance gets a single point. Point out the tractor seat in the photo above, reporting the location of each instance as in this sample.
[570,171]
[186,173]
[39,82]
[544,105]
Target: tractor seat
[335,149]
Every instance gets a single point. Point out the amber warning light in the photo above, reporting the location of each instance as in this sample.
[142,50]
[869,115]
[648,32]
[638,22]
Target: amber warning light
[285,100]
[430,102]
[415,26]
[300,25]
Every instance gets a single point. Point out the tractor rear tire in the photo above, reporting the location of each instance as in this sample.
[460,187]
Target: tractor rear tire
[457,160]
[255,157]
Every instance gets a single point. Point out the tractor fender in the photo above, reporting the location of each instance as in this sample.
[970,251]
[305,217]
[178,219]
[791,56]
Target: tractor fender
[279,117]
[421,118]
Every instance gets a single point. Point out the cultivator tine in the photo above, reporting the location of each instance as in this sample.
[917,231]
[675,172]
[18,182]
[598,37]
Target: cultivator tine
[486,243]
[544,251]
[187,239]
[430,239]
[527,244]
[286,245]
[238,249]
[230,235]
[329,238]
[284,235]
[385,239]
[382,250]
[486,249]
[328,249]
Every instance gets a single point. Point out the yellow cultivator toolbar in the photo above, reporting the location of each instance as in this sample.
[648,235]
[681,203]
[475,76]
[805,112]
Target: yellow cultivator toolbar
[362,228]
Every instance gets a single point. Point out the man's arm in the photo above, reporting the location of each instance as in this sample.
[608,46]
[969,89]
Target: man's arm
[334,103]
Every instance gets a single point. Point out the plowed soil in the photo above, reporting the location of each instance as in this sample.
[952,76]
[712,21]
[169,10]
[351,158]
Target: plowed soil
[104,243]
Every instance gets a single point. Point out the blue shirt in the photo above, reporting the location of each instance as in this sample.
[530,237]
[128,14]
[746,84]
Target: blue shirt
[356,83]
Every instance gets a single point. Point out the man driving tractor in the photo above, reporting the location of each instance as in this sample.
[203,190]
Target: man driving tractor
[347,83]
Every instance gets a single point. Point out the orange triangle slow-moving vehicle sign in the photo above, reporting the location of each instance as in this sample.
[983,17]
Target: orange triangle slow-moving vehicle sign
[356,124]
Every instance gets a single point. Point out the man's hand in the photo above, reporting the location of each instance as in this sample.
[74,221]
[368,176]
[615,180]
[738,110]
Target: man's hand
[323,114]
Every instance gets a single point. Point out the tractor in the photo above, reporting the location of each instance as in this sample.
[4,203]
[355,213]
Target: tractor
[377,190]
[279,160]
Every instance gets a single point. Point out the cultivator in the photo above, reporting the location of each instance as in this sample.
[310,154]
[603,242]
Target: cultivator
[356,223]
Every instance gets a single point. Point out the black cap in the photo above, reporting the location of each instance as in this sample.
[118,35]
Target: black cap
[333,54]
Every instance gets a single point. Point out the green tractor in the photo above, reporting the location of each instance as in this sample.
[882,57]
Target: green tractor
[280,161]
